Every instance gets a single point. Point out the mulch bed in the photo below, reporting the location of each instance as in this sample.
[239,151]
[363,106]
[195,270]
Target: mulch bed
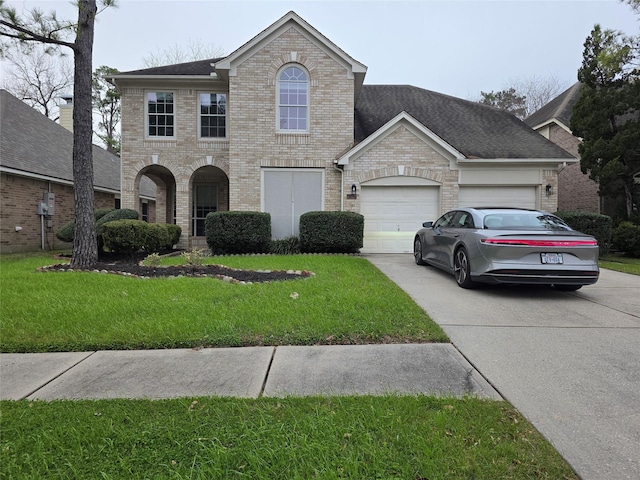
[131,266]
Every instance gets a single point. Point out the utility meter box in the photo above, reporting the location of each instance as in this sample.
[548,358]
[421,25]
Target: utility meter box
[47,206]
[50,200]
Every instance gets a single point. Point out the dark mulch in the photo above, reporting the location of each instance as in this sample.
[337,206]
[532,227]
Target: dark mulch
[131,266]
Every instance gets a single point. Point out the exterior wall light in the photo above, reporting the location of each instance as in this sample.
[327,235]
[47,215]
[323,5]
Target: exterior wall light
[549,190]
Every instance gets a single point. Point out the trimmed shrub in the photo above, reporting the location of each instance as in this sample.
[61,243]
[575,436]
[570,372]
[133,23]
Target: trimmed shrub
[238,232]
[119,214]
[331,232]
[626,238]
[124,236]
[157,238]
[593,224]
[174,234]
[285,246]
[101,212]
[65,233]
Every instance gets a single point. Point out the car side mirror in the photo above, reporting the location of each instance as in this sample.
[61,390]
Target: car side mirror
[427,224]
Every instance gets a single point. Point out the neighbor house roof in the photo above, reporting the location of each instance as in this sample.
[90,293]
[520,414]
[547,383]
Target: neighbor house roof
[33,145]
[557,110]
[473,129]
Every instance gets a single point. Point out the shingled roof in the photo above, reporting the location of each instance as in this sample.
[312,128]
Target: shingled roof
[33,144]
[559,108]
[475,130]
[199,67]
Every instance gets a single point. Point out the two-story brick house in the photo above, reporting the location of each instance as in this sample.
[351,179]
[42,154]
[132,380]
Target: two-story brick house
[286,125]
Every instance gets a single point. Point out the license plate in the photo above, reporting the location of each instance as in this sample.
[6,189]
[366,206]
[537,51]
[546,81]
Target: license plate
[552,258]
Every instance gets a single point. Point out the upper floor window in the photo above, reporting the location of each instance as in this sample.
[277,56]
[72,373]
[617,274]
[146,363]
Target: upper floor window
[293,99]
[160,114]
[213,115]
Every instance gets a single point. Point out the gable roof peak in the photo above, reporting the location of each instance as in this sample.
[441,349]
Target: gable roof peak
[275,29]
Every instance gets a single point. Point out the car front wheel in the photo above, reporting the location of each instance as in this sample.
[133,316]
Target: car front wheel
[462,269]
[417,252]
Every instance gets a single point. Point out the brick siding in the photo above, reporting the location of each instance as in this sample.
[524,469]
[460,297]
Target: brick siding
[20,197]
[576,191]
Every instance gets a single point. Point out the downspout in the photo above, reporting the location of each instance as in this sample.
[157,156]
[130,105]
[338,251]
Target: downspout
[335,166]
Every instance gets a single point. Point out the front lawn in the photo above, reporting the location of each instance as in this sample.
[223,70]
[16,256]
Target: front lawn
[392,437]
[620,263]
[348,301]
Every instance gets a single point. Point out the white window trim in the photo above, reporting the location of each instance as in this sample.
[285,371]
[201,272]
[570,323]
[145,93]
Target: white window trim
[146,115]
[291,131]
[226,116]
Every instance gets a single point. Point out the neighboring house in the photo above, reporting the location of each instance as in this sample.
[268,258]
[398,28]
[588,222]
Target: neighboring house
[576,191]
[286,125]
[36,159]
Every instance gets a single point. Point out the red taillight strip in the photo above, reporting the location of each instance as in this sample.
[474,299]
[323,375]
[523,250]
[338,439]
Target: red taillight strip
[540,243]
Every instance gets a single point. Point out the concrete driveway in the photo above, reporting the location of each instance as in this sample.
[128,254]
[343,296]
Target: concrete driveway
[569,362]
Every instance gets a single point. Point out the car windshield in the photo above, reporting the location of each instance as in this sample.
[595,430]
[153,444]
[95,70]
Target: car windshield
[524,221]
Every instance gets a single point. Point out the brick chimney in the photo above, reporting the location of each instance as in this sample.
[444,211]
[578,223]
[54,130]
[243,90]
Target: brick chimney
[66,112]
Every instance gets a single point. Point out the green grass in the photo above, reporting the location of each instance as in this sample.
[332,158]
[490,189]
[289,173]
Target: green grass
[348,301]
[621,263]
[293,438]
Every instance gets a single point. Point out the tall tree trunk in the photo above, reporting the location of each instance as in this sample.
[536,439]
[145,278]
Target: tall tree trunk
[85,245]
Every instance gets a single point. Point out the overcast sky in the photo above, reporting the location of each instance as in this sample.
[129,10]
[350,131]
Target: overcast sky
[455,47]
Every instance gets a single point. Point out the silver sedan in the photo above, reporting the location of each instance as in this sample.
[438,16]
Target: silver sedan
[508,245]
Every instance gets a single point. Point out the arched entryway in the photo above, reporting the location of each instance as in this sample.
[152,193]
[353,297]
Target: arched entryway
[165,192]
[209,189]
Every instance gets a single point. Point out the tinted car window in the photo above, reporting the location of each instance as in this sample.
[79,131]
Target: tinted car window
[524,221]
[462,220]
[444,220]
[458,220]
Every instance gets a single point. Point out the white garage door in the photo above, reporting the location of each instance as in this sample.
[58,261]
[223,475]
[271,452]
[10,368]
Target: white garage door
[392,216]
[522,197]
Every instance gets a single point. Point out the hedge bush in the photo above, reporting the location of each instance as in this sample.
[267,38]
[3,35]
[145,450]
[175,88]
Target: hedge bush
[65,233]
[101,212]
[174,234]
[626,238]
[593,224]
[119,214]
[331,232]
[157,238]
[238,232]
[125,236]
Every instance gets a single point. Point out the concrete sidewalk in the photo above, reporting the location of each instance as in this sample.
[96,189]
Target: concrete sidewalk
[433,369]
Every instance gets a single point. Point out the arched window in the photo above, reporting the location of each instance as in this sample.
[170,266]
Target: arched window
[293,99]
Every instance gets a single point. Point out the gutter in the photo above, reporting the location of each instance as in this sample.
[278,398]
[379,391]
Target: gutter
[59,181]
[335,167]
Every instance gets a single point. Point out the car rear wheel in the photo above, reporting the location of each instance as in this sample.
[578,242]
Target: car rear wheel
[568,288]
[417,252]
[462,269]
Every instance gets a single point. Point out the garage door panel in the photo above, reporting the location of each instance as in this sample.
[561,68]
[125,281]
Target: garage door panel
[393,214]
[498,196]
